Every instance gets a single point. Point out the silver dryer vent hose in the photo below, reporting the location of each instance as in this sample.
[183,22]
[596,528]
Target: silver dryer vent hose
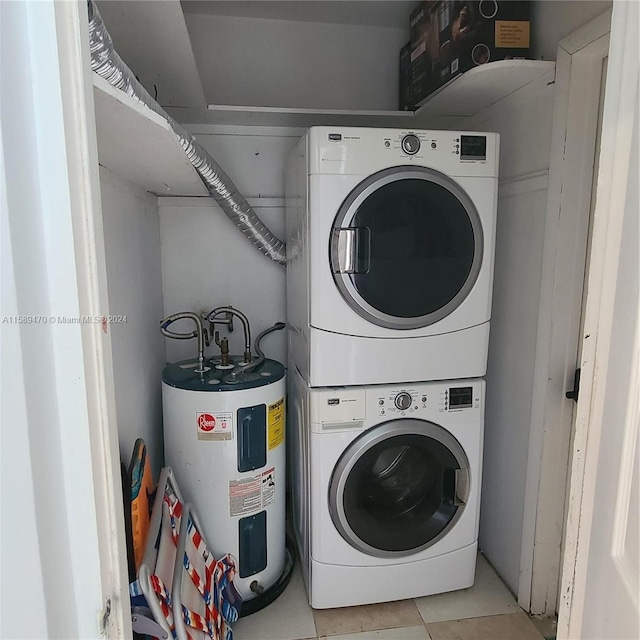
[106,62]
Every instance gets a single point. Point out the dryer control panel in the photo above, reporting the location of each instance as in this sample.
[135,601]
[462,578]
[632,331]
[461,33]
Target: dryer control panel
[363,151]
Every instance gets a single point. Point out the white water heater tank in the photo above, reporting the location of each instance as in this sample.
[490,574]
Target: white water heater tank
[224,433]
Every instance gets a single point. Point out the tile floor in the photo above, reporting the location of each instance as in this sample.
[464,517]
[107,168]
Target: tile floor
[486,611]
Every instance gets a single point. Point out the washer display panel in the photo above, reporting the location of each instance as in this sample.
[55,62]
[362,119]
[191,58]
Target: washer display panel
[399,488]
[406,247]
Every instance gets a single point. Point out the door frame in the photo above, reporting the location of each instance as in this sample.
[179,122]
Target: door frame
[620,110]
[571,172]
[67,575]
[78,112]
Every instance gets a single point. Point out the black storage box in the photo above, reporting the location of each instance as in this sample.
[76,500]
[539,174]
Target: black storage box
[449,37]
[423,55]
[406,103]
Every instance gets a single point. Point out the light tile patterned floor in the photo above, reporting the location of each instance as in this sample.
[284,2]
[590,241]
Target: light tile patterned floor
[486,611]
[488,596]
[288,618]
[403,633]
[512,626]
[389,615]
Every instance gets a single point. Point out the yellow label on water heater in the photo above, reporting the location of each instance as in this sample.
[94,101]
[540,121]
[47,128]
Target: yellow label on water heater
[275,422]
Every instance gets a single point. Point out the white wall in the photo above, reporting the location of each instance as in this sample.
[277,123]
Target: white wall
[206,262]
[132,244]
[253,157]
[20,554]
[276,63]
[552,20]
[524,164]
[151,37]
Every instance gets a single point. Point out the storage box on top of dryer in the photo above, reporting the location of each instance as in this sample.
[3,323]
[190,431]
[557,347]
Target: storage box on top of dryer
[453,36]
[406,101]
[421,60]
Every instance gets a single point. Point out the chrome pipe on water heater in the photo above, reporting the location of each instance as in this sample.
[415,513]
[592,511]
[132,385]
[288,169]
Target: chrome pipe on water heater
[199,332]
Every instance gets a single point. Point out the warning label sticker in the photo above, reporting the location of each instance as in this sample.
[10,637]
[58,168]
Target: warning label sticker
[268,486]
[216,425]
[245,496]
[276,424]
[252,494]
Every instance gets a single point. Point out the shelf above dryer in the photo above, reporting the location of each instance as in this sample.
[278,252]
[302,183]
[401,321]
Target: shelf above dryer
[464,96]
[139,145]
[481,87]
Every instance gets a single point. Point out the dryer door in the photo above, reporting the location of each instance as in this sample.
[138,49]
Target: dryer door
[399,488]
[406,247]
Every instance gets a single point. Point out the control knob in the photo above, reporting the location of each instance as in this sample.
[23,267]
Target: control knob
[410,144]
[402,400]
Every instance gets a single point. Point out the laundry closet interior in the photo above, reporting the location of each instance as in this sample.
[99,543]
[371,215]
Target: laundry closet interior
[247,79]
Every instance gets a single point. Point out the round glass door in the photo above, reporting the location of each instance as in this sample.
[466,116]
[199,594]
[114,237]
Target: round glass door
[399,488]
[406,247]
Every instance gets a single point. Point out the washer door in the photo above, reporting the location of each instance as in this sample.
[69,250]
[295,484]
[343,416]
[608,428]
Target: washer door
[406,247]
[399,488]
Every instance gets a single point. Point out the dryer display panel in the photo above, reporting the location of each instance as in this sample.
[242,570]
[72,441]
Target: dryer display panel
[399,488]
[406,247]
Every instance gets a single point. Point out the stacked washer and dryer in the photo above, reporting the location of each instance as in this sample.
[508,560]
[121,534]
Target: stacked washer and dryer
[390,241]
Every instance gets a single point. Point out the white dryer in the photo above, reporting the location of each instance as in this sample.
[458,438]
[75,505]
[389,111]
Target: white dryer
[386,488]
[390,240]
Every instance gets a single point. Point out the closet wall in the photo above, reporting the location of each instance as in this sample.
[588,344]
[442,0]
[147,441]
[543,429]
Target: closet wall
[216,266]
[553,20]
[522,194]
[281,63]
[132,245]
[206,261]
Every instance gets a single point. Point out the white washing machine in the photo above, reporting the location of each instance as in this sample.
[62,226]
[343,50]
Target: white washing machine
[386,488]
[390,241]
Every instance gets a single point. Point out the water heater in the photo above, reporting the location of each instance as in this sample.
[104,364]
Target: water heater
[224,436]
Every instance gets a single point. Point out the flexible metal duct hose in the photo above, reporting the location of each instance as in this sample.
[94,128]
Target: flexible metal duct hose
[106,62]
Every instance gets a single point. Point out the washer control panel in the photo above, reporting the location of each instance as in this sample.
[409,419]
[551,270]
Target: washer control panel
[423,400]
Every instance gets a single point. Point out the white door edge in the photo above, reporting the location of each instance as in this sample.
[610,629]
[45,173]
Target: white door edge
[620,110]
[577,92]
[64,548]
[86,211]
